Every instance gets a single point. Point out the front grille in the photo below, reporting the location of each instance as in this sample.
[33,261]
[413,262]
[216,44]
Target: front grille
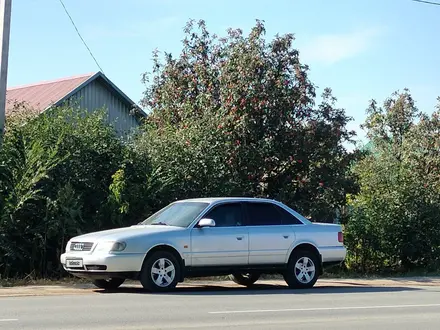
[81,246]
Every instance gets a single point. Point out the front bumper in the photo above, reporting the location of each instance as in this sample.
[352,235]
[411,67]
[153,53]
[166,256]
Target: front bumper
[93,265]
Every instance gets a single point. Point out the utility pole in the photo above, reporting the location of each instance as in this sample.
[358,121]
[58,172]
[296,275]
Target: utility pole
[5,28]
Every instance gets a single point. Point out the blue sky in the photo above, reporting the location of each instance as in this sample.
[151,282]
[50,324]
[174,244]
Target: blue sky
[362,49]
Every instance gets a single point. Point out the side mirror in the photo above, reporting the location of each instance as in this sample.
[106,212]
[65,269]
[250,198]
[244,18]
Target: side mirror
[206,223]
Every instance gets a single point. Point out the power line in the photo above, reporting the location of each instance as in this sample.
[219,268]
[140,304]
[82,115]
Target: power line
[79,34]
[428,2]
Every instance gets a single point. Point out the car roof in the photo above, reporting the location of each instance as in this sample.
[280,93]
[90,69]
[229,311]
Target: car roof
[211,200]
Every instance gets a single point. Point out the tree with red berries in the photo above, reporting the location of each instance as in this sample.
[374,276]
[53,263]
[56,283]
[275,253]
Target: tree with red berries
[236,116]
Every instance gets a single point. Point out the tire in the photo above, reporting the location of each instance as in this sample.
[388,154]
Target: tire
[302,270]
[109,284]
[154,276]
[246,279]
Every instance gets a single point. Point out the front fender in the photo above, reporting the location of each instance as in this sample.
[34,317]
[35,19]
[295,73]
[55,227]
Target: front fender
[167,244]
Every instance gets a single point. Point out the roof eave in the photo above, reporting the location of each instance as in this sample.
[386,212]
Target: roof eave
[97,75]
[72,92]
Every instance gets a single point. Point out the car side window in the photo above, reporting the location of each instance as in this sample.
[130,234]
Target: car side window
[227,215]
[286,217]
[263,214]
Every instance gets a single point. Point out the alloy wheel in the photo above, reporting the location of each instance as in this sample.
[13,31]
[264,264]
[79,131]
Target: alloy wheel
[305,270]
[163,272]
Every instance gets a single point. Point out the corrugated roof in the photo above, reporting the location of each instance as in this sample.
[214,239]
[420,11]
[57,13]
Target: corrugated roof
[41,95]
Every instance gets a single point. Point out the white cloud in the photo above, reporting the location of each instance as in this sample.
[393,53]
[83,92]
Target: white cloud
[332,48]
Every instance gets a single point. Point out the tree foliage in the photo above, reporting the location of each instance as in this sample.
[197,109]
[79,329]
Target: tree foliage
[237,116]
[394,220]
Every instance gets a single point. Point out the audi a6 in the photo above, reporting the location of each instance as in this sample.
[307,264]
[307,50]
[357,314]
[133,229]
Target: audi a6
[239,237]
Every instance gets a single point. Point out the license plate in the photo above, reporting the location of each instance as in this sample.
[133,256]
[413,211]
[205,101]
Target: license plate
[74,263]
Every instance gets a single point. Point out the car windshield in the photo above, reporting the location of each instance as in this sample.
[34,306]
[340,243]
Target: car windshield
[180,214]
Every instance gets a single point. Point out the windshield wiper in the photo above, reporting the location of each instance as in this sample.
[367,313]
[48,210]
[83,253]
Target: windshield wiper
[159,224]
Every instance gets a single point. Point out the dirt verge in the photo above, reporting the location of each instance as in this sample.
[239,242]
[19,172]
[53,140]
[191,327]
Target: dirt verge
[85,288]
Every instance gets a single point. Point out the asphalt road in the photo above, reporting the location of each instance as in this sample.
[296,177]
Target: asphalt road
[265,307]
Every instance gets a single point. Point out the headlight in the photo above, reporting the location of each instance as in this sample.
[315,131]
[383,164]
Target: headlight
[68,246]
[110,246]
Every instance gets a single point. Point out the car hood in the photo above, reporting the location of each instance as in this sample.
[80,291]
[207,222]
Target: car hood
[125,233]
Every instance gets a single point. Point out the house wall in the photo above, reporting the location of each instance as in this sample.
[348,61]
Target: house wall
[96,95]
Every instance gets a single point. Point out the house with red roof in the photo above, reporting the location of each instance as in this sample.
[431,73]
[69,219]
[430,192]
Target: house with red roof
[90,91]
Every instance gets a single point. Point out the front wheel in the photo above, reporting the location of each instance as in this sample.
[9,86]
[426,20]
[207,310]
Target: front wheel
[246,279]
[303,270]
[160,272]
[110,284]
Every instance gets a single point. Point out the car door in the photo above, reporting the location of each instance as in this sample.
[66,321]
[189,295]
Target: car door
[227,243]
[271,233]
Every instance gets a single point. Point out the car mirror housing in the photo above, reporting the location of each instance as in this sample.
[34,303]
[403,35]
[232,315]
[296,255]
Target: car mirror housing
[206,223]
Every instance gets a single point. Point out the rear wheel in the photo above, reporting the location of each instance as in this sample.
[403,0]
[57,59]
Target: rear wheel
[303,269]
[246,279]
[160,272]
[112,283]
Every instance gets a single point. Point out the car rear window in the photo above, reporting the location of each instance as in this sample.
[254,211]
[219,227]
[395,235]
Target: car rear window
[268,214]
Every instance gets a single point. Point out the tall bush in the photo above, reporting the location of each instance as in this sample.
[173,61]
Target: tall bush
[55,173]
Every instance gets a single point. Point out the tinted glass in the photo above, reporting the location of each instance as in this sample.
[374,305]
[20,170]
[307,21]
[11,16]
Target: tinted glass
[177,214]
[263,214]
[286,217]
[228,215]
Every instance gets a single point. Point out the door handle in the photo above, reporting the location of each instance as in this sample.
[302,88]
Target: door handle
[286,236]
[239,238]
